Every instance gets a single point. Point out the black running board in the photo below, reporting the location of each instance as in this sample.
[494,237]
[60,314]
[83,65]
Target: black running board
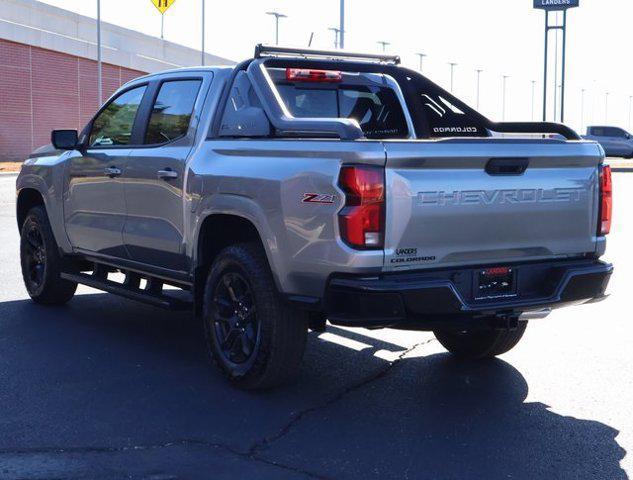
[128,291]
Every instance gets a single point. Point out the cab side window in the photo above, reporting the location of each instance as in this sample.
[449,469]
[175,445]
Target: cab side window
[113,126]
[172,110]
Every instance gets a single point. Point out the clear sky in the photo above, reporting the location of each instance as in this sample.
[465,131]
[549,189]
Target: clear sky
[503,37]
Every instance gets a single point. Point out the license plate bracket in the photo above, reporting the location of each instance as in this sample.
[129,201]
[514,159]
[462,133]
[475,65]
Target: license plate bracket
[495,282]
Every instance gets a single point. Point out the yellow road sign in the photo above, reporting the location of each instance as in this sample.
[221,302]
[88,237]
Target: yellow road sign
[163,5]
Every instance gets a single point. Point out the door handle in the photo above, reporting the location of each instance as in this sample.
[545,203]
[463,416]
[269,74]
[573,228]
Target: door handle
[507,166]
[167,174]
[113,172]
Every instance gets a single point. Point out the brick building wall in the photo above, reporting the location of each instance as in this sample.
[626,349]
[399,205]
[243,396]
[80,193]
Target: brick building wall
[42,90]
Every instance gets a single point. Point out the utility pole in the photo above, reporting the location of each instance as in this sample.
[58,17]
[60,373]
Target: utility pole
[421,55]
[453,65]
[384,44]
[99,76]
[336,34]
[533,94]
[479,70]
[503,103]
[203,32]
[606,107]
[162,26]
[630,110]
[342,25]
[277,16]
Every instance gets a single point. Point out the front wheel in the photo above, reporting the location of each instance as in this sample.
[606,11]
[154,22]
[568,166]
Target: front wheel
[42,262]
[480,344]
[255,339]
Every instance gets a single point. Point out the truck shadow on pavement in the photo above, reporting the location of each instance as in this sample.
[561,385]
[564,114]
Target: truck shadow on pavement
[105,387]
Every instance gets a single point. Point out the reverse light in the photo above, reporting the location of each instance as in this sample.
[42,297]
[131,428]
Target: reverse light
[362,219]
[310,75]
[606,200]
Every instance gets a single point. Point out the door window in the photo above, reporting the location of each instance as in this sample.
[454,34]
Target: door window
[113,126]
[614,132]
[171,112]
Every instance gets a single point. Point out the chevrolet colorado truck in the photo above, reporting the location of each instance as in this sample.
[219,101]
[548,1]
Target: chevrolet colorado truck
[302,187]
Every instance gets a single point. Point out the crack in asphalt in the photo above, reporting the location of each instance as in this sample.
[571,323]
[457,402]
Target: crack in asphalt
[179,443]
[255,451]
[267,442]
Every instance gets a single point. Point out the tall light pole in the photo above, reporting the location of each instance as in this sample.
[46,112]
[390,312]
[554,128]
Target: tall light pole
[533,94]
[384,44]
[479,70]
[203,1]
[342,25]
[99,79]
[421,55]
[630,109]
[277,16]
[336,34]
[503,103]
[606,107]
[556,72]
[582,109]
[453,65]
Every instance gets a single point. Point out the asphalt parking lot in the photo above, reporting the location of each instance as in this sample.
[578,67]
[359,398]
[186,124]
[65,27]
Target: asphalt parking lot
[105,388]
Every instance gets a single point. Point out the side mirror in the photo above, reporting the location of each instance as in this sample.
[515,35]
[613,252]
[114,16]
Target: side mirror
[65,139]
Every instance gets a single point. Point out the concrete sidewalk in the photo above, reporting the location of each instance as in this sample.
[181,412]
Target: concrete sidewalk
[620,164]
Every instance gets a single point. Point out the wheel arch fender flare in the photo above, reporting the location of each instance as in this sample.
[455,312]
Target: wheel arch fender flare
[43,184]
[244,209]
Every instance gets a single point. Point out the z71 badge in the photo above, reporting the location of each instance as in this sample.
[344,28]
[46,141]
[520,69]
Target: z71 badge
[322,198]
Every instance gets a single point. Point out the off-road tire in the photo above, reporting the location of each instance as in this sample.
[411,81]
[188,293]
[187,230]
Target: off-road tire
[37,240]
[480,344]
[276,356]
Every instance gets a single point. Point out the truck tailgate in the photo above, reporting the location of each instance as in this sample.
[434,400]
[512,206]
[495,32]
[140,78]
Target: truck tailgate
[459,202]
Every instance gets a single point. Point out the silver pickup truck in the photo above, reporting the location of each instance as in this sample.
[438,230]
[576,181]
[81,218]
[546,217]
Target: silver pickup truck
[302,187]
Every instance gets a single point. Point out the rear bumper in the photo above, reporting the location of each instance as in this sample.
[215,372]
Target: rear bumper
[432,299]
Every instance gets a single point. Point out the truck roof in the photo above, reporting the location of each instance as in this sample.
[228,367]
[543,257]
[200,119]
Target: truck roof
[199,68]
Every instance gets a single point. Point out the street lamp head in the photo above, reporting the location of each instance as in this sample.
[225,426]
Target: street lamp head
[277,14]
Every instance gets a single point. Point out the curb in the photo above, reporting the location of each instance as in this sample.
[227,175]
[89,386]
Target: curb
[9,174]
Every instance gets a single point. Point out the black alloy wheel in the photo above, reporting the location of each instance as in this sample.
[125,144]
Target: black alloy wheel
[235,319]
[34,258]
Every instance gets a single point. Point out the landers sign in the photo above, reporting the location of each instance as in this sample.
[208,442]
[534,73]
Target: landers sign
[556,4]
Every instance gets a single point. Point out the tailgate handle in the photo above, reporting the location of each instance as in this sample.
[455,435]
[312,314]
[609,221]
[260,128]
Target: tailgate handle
[507,166]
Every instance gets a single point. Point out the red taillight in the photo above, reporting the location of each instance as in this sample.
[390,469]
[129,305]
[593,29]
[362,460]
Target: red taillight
[362,218]
[309,75]
[606,200]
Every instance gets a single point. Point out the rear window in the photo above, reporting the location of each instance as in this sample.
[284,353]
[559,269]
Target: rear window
[377,109]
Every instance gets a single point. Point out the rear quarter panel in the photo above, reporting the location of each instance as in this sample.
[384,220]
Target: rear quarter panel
[266,182]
